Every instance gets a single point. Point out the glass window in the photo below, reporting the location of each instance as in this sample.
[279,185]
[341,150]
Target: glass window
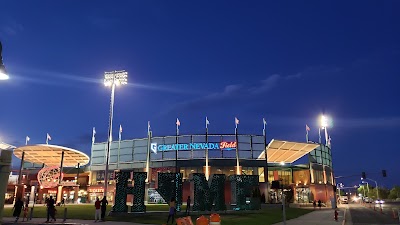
[125,158]
[126,144]
[258,147]
[244,154]
[98,147]
[244,146]
[261,176]
[140,157]
[169,155]
[229,154]
[98,160]
[256,154]
[184,154]
[170,140]
[258,139]
[184,139]
[201,138]
[199,154]
[154,156]
[214,153]
[98,153]
[228,138]
[214,139]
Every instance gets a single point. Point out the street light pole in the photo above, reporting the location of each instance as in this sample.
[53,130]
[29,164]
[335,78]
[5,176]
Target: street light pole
[112,79]
[376,185]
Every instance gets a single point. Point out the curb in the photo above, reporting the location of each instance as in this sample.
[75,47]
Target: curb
[344,217]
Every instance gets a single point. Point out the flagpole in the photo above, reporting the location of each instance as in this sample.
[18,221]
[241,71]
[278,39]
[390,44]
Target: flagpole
[26,140]
[265,152]
[148,153]
[319,134]
[93,140]
[119,144]
[307,133]
[237,150]
[176,142]
[326,135]
[207,172]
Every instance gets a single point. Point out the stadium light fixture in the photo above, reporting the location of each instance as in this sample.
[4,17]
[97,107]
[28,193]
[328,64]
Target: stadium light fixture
[3,72]
[113,79]
[324,121]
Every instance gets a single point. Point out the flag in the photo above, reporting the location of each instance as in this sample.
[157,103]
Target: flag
[207,122]
[27,139]
[265,124]
[178,123]
[48,138]
[120,132]
[307,130]
[329,141]
[148,127]
[236,121]
[94,133]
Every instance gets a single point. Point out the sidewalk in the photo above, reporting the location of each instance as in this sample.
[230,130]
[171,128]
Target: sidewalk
[72,221]
[318,217]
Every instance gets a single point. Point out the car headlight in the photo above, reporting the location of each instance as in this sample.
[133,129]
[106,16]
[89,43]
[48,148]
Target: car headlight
[377,202]
[381,201]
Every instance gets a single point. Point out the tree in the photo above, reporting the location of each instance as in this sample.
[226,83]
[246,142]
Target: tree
[394,192]
[383,193]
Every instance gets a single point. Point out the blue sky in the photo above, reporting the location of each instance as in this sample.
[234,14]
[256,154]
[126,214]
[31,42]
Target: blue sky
[285,61]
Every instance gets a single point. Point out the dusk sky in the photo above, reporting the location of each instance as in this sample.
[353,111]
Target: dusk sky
[286,61]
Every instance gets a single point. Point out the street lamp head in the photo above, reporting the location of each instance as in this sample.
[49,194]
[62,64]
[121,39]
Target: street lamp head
[115,78]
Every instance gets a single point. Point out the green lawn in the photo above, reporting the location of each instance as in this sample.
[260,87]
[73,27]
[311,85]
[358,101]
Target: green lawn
[265,216]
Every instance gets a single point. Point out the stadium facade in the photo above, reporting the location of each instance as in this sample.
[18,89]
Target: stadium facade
[190,154]
[229,154]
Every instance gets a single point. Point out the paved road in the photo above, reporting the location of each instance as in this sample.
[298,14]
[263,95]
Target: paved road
[361,215]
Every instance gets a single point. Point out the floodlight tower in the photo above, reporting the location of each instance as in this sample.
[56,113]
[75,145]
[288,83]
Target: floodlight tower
[324,125]
[113,79]
[3,72]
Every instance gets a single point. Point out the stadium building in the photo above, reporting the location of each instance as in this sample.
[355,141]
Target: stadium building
[208,153]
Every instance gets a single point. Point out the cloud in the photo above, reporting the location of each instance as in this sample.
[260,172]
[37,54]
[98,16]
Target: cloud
[232,93]
[266,84]
[71,80]
[11,28]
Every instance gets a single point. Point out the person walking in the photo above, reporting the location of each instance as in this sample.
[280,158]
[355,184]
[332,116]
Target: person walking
[104,204]
[51,210]
[188,201]
[314,204]
[319,204]
[19,204]
[26,210]
[97,213]
[171,212]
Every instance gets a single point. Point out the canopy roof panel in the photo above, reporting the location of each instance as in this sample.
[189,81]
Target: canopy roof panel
[5,146]
[50,155]
[286,151]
